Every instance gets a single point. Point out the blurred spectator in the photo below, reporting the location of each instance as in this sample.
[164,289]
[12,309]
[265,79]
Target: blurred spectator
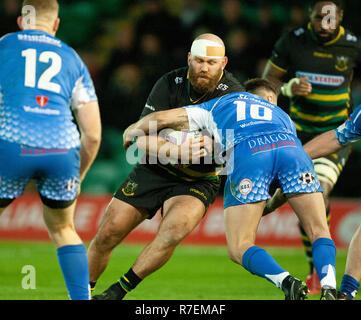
[156,20]
[79,23]
[263,45]
[190,14]
[124,98]
[10,10]
[152,58]
[240,59]
[123,50]
[298,17]
[229,17]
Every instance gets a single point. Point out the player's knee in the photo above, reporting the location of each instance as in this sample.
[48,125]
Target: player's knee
[236,251]
[108,237]
[166,239]
[60,228]
[63,234]
[172,235]
[234,255]
[110,234]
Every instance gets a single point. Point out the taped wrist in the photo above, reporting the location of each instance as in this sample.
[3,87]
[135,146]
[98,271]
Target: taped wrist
[286,89]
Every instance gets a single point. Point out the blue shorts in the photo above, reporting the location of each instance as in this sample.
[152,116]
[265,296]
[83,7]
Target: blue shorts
[55,171]
[274,159]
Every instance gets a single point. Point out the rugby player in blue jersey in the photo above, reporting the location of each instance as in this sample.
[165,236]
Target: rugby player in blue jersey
[42,83]
[263,149]
[323,145]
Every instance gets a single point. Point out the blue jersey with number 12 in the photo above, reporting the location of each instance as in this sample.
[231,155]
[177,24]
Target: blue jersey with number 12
[238,116]
[41,80]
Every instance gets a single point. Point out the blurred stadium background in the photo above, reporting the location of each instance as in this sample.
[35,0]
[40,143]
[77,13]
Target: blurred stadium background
[127,45]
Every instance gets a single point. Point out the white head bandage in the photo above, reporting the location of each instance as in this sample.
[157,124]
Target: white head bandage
[207,49]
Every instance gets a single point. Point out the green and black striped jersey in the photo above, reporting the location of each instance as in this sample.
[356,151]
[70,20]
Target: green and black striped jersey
[173,90]
[329,68]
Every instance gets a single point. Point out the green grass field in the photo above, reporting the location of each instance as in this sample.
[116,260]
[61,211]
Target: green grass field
[193,273]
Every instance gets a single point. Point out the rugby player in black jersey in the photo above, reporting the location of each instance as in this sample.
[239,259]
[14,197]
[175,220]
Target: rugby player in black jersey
[318,61]
[183,192]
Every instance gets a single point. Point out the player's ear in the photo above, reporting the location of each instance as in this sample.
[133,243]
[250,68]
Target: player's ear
[341,15]
[19,21]
[189,58]
[225,61]
[56,25]
[272,98]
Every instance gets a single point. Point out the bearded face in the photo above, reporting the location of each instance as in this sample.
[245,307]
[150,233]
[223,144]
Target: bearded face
[205,73]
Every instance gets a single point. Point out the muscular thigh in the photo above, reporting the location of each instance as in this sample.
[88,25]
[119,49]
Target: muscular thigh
[120,218]
[181,214]
[203,190]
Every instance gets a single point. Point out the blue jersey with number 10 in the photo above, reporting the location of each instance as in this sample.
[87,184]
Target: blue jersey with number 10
[264,147]
[41,79]
[238,116]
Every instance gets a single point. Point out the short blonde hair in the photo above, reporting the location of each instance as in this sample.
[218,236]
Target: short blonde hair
[46,10]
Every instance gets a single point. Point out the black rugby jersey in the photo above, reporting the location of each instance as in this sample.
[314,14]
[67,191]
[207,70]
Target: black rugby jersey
[173,90]
[329,67]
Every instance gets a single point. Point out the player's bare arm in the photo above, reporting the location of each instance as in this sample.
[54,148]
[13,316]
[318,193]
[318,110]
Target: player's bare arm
[156,146]
[176,119]
[322,145]
[273,74]
[88,119]
[295,87]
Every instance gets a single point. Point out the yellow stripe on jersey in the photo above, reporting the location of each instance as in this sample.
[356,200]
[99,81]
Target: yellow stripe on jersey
[311,117]
[175,174]
[340,33]
[276,66]
[200,174]
[298,127]
[328,97]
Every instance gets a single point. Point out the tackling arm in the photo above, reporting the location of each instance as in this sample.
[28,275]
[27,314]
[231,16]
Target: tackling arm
[322,145]
[176,119]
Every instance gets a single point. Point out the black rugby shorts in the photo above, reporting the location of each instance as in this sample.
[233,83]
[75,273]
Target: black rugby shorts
[149,189]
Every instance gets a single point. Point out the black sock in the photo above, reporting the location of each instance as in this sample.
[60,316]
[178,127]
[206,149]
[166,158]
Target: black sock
[92,285]
[129,281]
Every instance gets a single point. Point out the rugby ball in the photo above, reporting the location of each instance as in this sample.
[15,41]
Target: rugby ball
[179,137]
